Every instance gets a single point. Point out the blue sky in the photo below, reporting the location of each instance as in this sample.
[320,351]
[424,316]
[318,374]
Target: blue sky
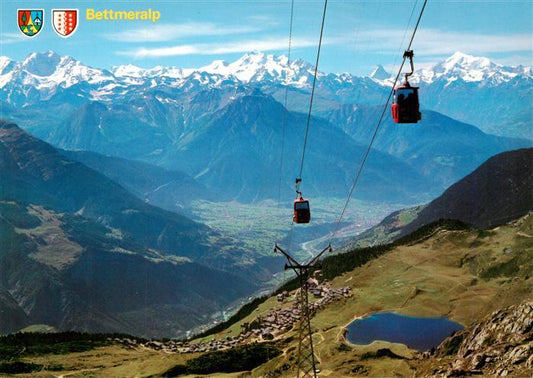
[358,34]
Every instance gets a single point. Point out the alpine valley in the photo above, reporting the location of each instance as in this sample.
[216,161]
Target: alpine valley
[147,201]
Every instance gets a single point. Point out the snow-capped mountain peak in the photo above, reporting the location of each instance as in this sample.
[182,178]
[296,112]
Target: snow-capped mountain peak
[219,67]
[459,59]
[380,73]
[47,71]
[468,68]
[42,64]
[42,74]
[215,66]
[258,66]
[248,67]
[134,74]
[6,64]
[127,70]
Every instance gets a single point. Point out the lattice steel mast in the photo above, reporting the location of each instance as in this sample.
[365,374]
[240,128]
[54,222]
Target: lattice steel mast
[306,354]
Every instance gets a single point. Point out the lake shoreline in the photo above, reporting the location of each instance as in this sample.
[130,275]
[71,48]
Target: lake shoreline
[417,333]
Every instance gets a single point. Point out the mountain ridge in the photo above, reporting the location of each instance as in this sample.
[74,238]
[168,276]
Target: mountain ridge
[251,67]
[78,251]
[441,83]
[499,190]
[438,146]
[170,190]
[35,164]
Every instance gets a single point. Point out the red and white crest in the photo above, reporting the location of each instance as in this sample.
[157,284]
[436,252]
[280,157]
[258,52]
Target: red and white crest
[65,21]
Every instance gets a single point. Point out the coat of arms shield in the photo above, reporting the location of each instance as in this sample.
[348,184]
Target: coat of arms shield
[30,21]
[65,21]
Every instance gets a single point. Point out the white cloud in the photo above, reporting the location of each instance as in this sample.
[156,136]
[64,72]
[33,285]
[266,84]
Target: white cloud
[430,45]
[8,38]
[263,20]
[515,60]
[438,42]
[217,48]
[170,32]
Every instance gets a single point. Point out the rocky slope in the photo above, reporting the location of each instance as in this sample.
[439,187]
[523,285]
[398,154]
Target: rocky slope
[501,344]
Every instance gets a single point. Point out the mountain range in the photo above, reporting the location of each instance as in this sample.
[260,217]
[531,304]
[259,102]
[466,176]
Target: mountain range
[94,227]
[222,125]
[471,89]
[231,143]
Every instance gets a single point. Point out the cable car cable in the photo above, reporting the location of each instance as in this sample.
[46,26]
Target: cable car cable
[405,32]
[358,175]
[416,26]
[299,178]
[315,74]
[386,105]
[408,23]
[284,119]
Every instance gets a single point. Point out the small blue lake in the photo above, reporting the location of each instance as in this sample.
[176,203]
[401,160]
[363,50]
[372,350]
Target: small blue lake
[417,333]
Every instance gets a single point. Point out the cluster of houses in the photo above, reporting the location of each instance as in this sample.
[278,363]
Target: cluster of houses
[265,327]
[281,320]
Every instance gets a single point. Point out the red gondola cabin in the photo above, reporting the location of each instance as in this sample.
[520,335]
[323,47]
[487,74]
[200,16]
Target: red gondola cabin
[405,106]
[302,212]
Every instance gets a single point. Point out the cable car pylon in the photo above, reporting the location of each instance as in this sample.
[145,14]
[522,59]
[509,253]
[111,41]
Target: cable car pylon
[306,353]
